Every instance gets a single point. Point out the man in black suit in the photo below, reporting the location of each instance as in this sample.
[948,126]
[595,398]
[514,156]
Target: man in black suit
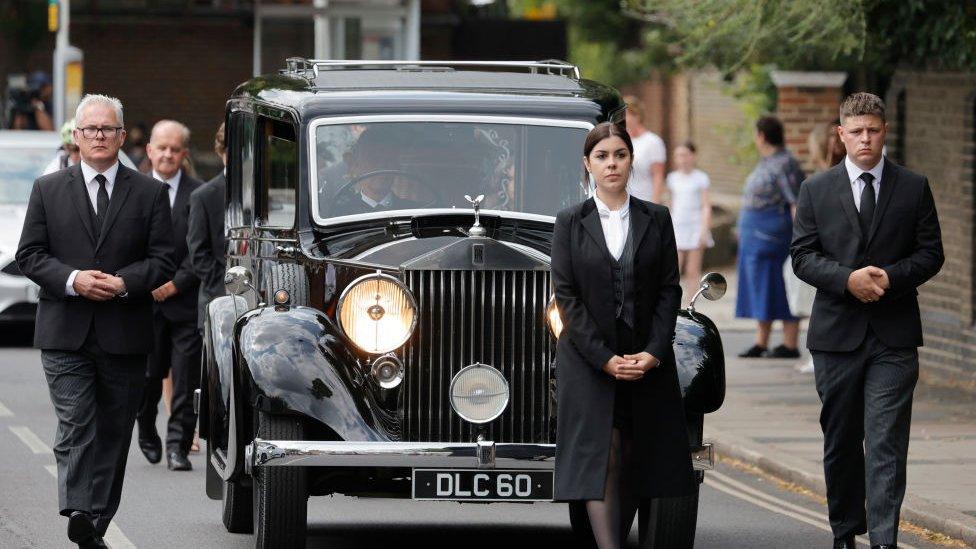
[374,164]
[205,237]
[866,235]
[177,347]
[96,239]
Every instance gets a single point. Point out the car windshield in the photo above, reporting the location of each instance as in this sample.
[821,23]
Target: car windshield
[400,165]
[19,167]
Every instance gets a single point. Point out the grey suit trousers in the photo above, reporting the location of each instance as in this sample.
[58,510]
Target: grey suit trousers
[95,396]
[866,418]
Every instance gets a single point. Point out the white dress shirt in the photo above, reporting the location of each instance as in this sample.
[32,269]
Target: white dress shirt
[857,184]
[173,182]
[616,225]
[89,173]
[386,201]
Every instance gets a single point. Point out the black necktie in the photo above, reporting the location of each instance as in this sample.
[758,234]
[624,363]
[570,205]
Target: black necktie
[867,203]
[101,200]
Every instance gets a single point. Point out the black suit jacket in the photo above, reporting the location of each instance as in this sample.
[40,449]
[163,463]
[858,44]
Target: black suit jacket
[182,307]
[206,240]
[904,240]
[135,243]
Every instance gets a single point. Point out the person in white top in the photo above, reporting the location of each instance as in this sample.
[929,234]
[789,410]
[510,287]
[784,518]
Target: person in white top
[691,211]
[647,173]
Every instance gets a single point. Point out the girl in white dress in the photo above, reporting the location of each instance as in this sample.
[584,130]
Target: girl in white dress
[691,211]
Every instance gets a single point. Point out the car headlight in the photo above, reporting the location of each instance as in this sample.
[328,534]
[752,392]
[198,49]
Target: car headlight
[553,319]
[377,312]
[479,393]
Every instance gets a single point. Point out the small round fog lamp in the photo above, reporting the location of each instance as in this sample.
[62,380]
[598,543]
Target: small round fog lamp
[479,393]
[387,370]
[281,297]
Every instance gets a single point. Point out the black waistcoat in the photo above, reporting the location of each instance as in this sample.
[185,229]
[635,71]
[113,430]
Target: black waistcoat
[623,281]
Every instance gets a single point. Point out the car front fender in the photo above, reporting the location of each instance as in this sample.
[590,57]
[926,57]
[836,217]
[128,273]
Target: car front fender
[294,360]
[701,363]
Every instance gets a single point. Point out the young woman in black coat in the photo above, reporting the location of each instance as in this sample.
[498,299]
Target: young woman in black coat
[621,435]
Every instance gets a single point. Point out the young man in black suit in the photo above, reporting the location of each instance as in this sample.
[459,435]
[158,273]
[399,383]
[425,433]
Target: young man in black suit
[205,237]
[177,347]
[866,235]
[96,239]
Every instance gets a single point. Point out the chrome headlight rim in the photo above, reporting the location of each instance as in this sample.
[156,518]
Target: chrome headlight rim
[396,282]
[501,409]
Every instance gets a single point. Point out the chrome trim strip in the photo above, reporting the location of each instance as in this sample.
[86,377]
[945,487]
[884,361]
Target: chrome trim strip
[326,121]
[298,453]
[267,453]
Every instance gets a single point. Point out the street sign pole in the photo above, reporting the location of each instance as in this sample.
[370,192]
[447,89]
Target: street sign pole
[60,49]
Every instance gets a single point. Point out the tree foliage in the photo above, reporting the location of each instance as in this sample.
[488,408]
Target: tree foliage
[629,37]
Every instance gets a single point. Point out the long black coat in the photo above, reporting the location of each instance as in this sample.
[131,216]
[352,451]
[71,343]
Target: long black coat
[583,280]
[206,242]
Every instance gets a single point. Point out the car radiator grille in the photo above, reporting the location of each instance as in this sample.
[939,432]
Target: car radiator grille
[491,317]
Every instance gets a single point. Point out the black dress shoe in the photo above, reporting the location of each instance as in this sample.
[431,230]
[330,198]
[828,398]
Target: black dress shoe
[754,352]
[176,461]
[884,546]
[81,527]
[845,542]
[782,351]
[152,448]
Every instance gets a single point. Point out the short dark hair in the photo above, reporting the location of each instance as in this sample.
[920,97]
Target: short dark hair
[602,131]
[688,144]
[861,104]
[771,129]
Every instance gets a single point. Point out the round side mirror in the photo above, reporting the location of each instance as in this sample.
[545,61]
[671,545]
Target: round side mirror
[237,280]
[713,286]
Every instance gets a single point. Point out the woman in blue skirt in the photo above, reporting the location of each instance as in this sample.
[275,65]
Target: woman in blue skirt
[765,228]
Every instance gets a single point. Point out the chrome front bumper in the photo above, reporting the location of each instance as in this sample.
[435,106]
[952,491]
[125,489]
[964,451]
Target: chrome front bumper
[484,454]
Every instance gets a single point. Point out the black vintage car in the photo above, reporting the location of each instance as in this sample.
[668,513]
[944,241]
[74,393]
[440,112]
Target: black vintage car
[390,329]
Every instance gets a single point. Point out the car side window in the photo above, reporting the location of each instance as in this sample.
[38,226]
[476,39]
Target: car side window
[247,124]
[279,174]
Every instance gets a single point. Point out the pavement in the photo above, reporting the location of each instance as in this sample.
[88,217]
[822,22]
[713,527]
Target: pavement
[770,419]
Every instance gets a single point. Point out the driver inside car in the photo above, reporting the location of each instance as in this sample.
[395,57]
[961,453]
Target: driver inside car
[373,170]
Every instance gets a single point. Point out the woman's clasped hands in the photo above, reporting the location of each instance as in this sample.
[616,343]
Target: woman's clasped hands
[630,367]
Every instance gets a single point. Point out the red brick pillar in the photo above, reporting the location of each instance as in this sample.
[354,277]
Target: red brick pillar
[806,99]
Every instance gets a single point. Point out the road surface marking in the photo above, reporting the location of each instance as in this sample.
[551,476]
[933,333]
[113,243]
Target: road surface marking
[777,505]
[116,539]
[5,412]
[32,441]
[113,536]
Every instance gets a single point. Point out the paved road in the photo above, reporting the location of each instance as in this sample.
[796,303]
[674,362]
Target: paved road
[166,509]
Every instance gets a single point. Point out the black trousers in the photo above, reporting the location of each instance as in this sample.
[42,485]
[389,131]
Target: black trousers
[95,396]
[866,418]
[177,349]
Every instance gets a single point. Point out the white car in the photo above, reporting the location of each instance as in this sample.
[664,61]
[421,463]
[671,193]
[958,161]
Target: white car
[24,155]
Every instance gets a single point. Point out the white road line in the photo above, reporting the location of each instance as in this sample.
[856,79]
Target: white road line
[768,497]
[116,539]
[113,536]
[5,412]
[32,441]
[777,505]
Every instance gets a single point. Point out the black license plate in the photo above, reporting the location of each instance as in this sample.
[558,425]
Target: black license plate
[482,485]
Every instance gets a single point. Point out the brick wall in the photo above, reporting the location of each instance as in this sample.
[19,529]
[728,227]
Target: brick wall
[938,141]
[716,122]
[804,100]
[181,68]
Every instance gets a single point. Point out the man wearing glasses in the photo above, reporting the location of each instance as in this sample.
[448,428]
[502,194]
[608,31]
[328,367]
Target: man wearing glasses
[97,239]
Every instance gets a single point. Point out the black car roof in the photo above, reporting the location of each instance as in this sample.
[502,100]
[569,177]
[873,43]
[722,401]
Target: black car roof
[313,88]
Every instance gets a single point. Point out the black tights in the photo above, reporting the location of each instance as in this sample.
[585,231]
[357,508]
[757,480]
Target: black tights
[612,517]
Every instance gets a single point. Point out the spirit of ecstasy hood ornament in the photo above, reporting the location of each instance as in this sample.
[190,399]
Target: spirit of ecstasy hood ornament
[476,229]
